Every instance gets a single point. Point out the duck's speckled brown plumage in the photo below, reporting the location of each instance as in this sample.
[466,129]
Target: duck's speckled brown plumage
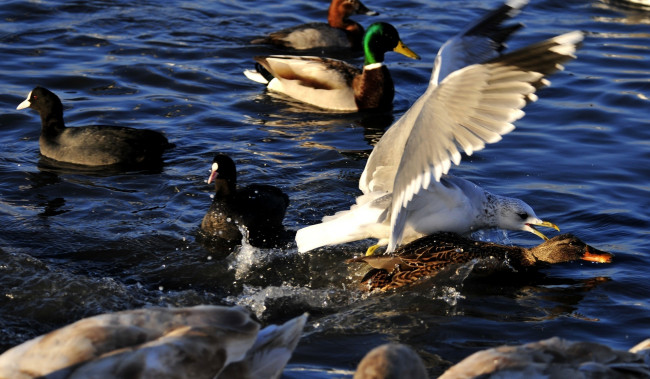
[428,255]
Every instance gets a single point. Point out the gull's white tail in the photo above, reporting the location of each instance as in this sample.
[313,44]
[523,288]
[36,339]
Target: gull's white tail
[359,222]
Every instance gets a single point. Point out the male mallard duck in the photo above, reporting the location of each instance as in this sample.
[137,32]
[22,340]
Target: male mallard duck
[339,33]
[258,207]
[426,256]
[199,342]
[555,358]
[473,97]
[91,145]
[334,84]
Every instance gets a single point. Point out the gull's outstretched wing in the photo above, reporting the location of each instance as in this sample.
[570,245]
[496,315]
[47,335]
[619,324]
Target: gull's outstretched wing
[471,107]
[481,41]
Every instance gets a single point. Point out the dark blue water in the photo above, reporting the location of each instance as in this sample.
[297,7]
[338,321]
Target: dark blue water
[75,244]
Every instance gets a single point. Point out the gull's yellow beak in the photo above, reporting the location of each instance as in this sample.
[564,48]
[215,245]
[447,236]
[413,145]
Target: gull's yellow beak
[531,228]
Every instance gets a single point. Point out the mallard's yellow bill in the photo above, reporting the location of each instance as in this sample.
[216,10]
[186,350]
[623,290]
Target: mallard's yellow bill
[404,50]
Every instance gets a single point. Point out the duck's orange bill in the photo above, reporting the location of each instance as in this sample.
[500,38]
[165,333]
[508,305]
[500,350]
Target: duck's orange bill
[600,257]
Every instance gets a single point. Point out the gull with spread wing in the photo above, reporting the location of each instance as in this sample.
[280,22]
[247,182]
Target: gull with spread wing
[474,96]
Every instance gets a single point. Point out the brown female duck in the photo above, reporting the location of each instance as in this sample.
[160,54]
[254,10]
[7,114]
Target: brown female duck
[426,256]
[338,33]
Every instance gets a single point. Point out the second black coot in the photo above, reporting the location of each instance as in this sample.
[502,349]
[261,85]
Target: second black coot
[258,207]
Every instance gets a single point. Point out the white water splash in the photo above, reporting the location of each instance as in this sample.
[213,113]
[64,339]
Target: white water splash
[492,235]
[247,256]
[255,298]
[451,293]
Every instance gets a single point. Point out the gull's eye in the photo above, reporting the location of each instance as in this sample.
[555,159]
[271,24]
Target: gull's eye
[522,216]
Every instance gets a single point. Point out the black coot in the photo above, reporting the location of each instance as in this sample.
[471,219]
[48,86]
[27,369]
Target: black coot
[92,145]
[258,207]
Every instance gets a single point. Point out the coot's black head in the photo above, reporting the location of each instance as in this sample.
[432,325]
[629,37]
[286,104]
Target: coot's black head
[223,168]
[43,101]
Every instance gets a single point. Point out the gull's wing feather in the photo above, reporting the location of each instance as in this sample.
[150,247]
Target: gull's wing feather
[380,170]
[471,107]
[480,41]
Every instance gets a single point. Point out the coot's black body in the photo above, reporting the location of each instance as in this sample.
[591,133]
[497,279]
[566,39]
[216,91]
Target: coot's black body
[258,207]
[92,145]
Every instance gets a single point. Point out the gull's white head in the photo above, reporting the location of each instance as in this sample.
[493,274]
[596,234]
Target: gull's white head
[515,214]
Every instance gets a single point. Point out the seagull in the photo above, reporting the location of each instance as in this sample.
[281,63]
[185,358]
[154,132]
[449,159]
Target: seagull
[474,95]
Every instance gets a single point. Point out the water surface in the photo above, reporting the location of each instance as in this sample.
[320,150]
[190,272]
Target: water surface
[77,243]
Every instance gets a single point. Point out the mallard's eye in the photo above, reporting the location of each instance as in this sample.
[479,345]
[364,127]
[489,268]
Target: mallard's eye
[522,216]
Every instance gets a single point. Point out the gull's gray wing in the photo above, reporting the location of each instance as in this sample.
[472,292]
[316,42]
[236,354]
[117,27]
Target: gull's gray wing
[380,170]
[480,41]
[471,107]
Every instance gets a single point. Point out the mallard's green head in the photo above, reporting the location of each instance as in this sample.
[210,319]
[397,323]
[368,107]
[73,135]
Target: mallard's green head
[380,38]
